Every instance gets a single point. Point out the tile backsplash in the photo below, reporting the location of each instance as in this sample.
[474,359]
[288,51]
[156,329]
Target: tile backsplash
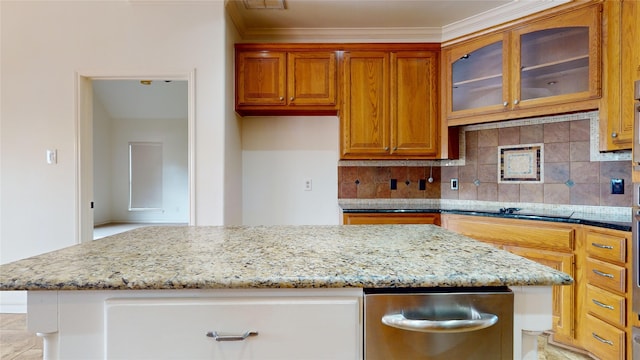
[571,175]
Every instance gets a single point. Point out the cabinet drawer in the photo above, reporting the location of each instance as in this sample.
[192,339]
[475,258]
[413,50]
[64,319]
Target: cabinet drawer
[378,218]
[525,233]
[605,305]
[604,340]
[605,275]
[607,247]
[287,328]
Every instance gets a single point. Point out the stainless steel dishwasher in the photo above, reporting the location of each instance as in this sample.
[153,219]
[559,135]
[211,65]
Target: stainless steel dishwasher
[442,323]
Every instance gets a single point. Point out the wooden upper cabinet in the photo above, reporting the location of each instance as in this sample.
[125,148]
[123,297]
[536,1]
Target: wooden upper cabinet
[365,112]
[414,104]
[549,65]
[390,105]
[285,82]
[621,61]
[477,76]
[312,78]
[261,78]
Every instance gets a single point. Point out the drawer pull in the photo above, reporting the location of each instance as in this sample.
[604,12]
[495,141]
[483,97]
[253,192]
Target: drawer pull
[598,272]
[602,305]
[601,246]
[602,340]
[218,337]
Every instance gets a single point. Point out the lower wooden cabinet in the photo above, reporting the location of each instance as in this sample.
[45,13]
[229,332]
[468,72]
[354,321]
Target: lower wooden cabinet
[593,314]
[563,296]
[607,308]
[548,243]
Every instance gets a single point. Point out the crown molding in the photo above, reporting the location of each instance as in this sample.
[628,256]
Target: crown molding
[343,34]
[497,16]
[467,26]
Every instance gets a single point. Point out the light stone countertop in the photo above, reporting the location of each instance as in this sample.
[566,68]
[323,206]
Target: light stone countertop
[331,256]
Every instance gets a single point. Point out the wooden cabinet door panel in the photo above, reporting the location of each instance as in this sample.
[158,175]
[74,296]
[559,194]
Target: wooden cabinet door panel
[621,60]
[311,78]
[365,114]
[563,296]
[261,78]
[414,104]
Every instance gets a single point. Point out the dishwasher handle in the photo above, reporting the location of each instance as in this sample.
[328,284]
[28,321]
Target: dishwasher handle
[399,321]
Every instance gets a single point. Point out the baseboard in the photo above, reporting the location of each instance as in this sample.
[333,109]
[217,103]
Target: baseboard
[13,302]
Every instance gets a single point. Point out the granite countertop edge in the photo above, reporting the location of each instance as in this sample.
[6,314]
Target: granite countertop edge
[244,257]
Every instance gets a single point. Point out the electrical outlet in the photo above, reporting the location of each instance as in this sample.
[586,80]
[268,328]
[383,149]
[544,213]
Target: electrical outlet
[617,186]
[308,184]
[454,184]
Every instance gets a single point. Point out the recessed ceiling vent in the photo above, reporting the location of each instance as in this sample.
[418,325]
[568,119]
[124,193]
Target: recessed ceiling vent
[264,4]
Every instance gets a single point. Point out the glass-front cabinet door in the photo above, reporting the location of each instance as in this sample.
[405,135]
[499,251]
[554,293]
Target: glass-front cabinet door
[557,59]
[533,68]
[478,74]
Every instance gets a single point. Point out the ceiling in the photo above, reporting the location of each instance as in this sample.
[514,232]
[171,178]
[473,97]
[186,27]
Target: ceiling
[323,21]
[376,20]
[132,100]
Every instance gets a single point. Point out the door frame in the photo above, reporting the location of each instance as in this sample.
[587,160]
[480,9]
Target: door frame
[84,143]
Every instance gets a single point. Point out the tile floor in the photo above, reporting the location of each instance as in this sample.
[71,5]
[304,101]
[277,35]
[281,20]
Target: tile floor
[15,342]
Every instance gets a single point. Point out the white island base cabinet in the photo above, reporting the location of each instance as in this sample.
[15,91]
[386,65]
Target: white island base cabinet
[301,324]
[233,328]
[180,324]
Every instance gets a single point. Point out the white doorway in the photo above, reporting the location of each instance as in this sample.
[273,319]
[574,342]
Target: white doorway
[114,112]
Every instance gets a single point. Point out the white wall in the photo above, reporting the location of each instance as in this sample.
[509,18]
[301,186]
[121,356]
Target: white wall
[43,46]
[102,160]
[173,136]
[233,159]
[279,154]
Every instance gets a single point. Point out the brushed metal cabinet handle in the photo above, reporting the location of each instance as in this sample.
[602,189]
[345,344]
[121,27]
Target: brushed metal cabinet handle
[601,246]
[603,305]
[602,340]
[241,337]
[600,273]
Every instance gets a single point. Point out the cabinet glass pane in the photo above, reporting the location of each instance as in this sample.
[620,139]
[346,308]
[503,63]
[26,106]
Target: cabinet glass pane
[477,78]
[554,62]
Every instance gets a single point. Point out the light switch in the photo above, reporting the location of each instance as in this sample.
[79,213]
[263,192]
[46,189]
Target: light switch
[52,156]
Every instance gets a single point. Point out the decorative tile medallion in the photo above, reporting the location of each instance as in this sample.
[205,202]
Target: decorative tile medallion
[520,163]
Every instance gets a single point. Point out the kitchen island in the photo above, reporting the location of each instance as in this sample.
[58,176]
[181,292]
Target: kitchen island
[75,297]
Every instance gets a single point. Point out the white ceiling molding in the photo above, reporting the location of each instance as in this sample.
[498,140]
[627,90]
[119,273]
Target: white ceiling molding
[338,35]
[497,16]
